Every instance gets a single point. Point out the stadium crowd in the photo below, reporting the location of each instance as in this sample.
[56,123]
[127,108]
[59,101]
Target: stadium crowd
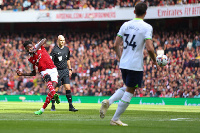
[95,65]
[23,5]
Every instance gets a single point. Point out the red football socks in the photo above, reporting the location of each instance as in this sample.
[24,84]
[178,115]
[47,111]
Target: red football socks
[50,94]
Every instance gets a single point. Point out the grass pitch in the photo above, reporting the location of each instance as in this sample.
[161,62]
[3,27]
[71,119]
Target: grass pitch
[18,117]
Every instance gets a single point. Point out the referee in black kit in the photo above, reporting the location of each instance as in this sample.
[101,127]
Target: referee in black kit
[60,56]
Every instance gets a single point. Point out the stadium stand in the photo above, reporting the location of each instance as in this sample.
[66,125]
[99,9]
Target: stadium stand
[23,5]
[95,65]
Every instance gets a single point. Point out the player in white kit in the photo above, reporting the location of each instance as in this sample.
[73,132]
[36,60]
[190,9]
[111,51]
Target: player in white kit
[133,34]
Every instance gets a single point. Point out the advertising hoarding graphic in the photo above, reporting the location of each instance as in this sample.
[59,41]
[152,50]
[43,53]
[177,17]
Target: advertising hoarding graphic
[99,99]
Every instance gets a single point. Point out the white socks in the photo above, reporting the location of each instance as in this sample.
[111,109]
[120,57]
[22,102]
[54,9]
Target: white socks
[122,105]
[117,95]
[42,109]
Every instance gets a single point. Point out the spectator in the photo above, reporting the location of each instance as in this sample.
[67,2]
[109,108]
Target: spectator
[26,4]
[189,44]
[1,2]
[197,95]
[15,7]
[160,51]
[19,6]
[2,92]
[196,42]
[42,6]
[185,94]
[31,8]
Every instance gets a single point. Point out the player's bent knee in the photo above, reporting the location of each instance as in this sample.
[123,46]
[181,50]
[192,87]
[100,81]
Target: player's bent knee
[67,86]
[56,89]
[131,89]
[47,78]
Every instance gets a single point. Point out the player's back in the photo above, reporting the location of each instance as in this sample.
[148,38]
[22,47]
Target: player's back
[134,33]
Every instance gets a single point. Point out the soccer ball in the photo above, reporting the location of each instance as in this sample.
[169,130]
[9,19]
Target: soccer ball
[162,60]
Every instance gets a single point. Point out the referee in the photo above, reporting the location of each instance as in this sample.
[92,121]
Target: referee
[60,56]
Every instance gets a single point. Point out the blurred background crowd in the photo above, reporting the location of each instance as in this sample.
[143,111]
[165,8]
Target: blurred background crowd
[95,65]
[30,5]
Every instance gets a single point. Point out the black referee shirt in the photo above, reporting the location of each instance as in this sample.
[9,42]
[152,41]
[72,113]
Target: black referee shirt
[60,56]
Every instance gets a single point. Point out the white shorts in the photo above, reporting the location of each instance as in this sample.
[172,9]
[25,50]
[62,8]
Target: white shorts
[53,74]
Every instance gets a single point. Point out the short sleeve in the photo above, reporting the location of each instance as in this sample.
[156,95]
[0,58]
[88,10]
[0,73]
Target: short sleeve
[148,33]
[52,55]
[42,47]
[68,55]
[37,45]
[121,31]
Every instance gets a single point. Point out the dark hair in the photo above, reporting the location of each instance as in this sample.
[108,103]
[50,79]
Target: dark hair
[140,9]
[27,43]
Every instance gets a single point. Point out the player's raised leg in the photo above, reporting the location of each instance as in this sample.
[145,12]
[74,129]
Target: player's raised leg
[106,103]
[51,78]
[49,96]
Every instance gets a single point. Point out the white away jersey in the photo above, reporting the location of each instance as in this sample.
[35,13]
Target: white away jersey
[134,34]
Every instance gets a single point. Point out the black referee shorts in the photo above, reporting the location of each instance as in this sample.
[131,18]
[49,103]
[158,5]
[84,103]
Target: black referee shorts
[63,77]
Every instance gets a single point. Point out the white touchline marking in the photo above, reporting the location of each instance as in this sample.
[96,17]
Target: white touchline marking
[48,119]
[183,118]
[141,119]
[179,119]
[173,119]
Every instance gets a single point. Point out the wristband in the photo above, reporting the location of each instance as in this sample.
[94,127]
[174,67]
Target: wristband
[70,69]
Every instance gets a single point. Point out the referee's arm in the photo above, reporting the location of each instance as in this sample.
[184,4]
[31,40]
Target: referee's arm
[69,64]
[52,55]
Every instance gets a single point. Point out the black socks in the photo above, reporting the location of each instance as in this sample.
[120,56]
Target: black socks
[69,98]
[53,101]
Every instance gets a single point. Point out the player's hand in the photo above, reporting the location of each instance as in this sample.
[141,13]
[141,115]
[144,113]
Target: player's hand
[19,73]
[70,73]
[157,66]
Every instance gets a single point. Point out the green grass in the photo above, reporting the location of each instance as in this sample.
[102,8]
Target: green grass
[18,117]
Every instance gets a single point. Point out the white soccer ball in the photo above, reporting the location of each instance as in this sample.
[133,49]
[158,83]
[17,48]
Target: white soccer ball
[162,60]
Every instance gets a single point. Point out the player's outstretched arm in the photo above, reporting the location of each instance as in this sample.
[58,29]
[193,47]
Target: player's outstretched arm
[118,42]
[19,73]
[42,42]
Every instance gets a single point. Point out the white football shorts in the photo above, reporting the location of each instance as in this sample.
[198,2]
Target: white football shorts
[53,74]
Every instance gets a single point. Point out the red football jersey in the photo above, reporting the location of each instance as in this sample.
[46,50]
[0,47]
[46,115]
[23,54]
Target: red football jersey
[42,60]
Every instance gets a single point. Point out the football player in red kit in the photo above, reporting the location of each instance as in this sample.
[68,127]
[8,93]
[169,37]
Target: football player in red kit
[40,58]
